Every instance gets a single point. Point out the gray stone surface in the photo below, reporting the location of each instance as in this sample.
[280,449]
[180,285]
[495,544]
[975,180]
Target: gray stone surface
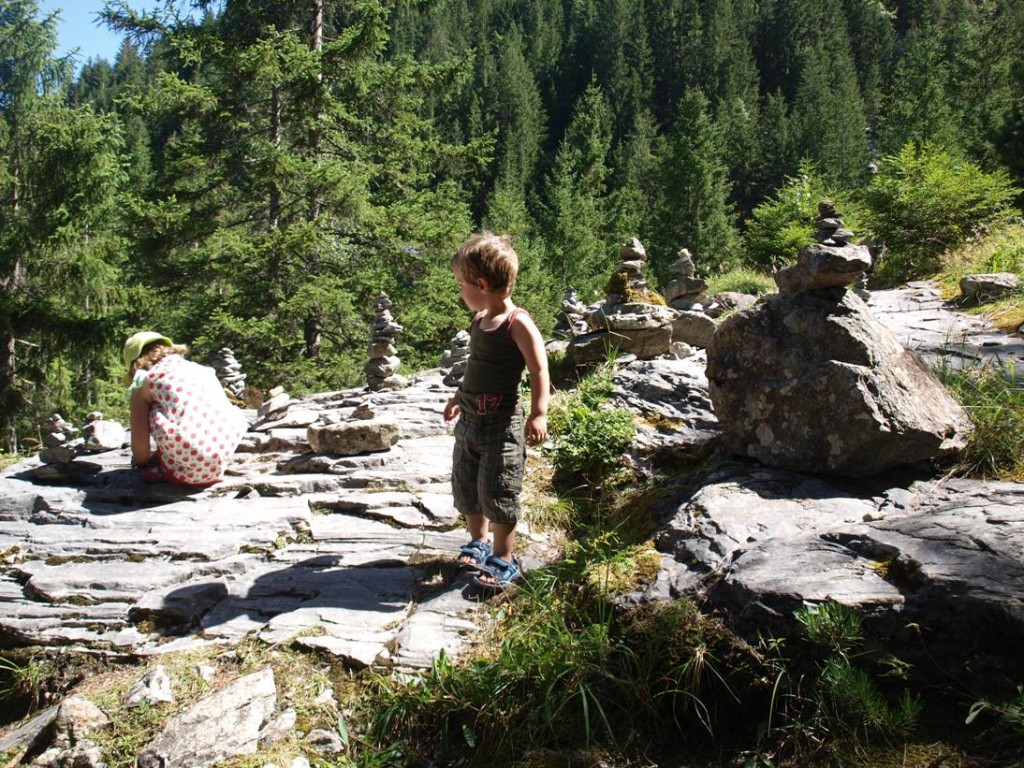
[925,323]
[944,558]
[225,724]
[340,549]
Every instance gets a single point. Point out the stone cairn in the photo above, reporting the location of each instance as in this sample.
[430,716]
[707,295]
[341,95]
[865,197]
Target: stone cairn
[685,290]
[832,263]
[58,431]
[453,362]
[59,440]
[830,230]
[632,320]
[229,372]
[571,319]
[628,284]
[829,227]
[383,366]
[102,434]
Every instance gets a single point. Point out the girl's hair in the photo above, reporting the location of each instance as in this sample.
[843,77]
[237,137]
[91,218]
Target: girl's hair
[488,256]
[153,353]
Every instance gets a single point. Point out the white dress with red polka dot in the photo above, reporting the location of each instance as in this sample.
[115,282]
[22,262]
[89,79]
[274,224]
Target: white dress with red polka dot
[195,426]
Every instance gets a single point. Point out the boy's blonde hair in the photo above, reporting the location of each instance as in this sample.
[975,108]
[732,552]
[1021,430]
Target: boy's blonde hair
[488,256]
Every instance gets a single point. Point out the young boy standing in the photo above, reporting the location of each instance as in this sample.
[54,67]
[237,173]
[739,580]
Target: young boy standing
[489,455]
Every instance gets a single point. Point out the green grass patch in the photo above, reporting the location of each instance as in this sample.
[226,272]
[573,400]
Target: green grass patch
[742,280]
[994,400]
[590,440]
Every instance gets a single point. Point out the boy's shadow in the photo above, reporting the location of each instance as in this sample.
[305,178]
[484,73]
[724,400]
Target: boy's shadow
[332,592]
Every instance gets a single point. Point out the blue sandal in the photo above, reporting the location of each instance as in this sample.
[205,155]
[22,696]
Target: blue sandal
[502,571]
[479,550]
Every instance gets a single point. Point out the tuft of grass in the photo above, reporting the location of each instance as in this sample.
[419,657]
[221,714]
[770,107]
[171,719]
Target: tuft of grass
[1008,725]
[994,399]
[9,459]
[742,280]
[558,672]
[997,249]
[25,679]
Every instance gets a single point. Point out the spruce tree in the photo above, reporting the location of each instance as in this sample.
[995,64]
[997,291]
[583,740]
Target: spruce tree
[694,210]
[577,216]
[59,180]
[300,175]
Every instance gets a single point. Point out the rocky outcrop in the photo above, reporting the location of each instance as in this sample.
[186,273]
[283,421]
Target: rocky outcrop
[936,566]
[978,289]
[290,540]
[808,379]
[352,556]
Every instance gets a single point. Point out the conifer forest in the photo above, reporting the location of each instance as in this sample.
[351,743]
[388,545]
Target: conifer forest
[253,173]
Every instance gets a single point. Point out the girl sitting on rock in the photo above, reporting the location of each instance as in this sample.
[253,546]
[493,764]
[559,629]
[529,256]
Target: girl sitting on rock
[182,406]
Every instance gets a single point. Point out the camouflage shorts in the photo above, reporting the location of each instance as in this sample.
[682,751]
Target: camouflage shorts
[487,465]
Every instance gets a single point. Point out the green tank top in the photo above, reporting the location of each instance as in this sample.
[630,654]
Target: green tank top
[493,371]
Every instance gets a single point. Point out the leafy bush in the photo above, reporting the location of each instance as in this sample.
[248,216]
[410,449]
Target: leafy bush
[782,225]
[589,438]
[925,201]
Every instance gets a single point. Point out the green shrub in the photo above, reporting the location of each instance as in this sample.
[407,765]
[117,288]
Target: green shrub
[589,439]
[925,201]
[782,225]
[842,699]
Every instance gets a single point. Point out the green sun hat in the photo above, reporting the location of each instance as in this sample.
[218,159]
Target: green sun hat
[135,344]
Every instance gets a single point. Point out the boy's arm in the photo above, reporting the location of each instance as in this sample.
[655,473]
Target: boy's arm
[451,408]
[527,337]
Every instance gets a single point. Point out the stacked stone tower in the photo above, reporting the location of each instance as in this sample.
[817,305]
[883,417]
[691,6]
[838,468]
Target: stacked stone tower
[383,365]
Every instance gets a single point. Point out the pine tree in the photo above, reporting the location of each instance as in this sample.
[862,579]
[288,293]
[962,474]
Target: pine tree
[828,117]
[694,213]
[59,177]
[918,109]
[576,195]
[298,178]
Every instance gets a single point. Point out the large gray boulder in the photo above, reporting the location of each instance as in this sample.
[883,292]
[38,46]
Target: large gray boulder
[808,382]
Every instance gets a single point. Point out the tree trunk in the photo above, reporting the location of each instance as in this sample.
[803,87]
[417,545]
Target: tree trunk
[274,207]
[313,325]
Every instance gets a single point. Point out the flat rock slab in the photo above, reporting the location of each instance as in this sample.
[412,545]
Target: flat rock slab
[923,322]
[353,555]
[337,551]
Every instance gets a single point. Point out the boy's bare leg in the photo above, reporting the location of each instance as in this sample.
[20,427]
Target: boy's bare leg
[504,540]
[477,527]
